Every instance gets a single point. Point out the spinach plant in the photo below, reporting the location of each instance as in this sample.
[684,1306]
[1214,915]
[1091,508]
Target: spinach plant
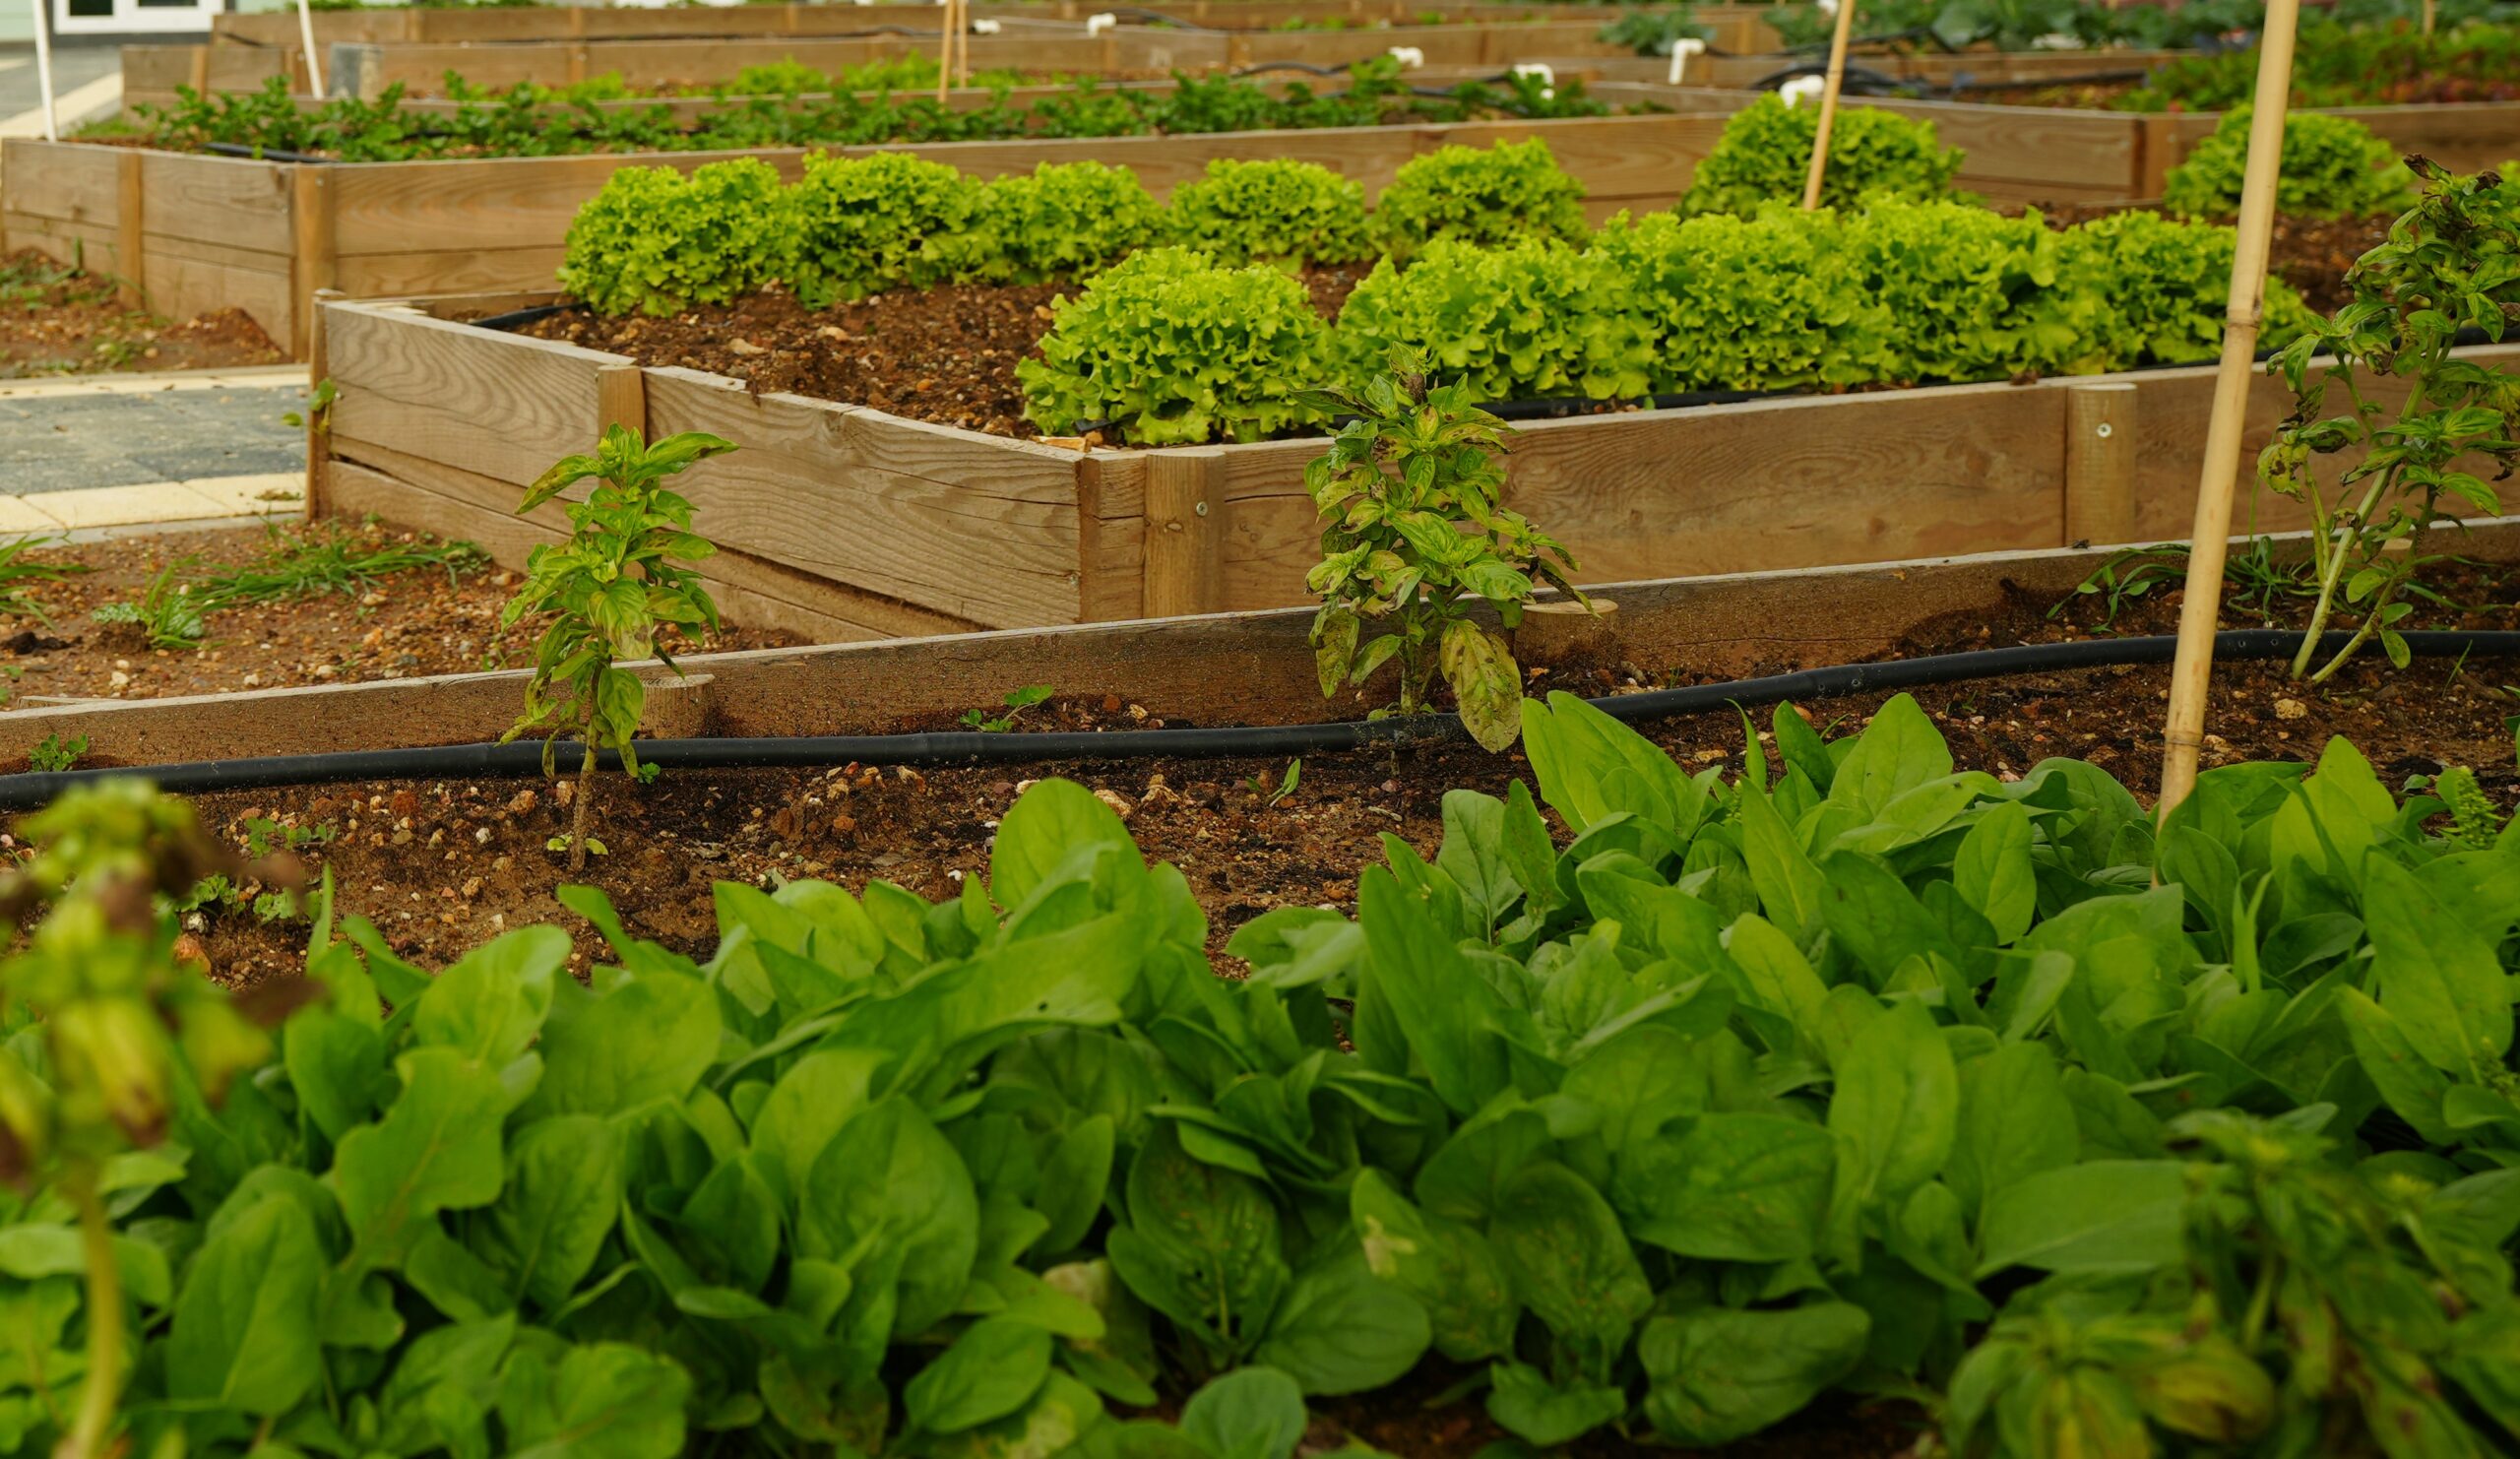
[1413,529]
[2450,264]
[610,588]
[1860,1075]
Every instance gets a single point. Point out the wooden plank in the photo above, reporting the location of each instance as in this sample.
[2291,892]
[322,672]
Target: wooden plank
[2035,146]
[500,405]
[620,398]
[2100,462]
[1111,526]
[1185,531]
[1229,667]
[66,242]
[130,259]
[458,206]
[1637,163]
[472,271]
[312,251]
[237,201]
[66,180]
[182,284]
[749,592]
[974,527]
[150,74]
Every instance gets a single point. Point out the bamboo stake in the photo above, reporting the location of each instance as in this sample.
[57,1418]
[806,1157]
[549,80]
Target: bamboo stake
[2427,16]
[314,62]
[2192,673]
[1828,104]
[949,12]
[962,45]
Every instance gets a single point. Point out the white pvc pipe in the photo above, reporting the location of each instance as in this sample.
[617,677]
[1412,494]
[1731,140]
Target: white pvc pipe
[43,68]
[314,63]
[1681,50]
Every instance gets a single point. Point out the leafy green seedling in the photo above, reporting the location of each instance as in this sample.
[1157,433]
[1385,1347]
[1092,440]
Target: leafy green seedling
[319,407]
[1269,795]
[166,614]
[1016,702]
[52,752]
[1413,529]
[610,588]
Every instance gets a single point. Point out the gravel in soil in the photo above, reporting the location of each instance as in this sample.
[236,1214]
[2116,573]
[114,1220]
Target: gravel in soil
[945,355]
[405,624]
[56,320]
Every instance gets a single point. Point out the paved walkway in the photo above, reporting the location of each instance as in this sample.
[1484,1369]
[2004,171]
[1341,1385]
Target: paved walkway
[95,452]
[86,83]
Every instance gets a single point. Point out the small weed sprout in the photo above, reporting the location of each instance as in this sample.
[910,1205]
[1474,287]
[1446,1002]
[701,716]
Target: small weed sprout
[609,588]
[1016,702]
[52,752]
[1413,529]
[166,613]
[19,578]
[1271,796]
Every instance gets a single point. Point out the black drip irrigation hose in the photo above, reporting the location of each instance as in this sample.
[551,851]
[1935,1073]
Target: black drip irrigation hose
[262,153]
[965,747]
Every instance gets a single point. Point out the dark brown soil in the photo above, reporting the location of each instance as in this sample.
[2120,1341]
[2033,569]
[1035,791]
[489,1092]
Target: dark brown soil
[1409,1420]
[442,865]
[56,320]
[2312,254]
[404,625]
[944,354]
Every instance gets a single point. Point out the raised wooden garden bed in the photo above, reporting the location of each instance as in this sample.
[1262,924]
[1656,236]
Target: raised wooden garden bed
[366,50]
[200,232]
[1246,668]
[845,522]
[2125,154]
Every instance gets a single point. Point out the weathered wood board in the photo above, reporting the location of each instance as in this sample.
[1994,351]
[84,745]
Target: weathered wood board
[1247,669]
[903,521]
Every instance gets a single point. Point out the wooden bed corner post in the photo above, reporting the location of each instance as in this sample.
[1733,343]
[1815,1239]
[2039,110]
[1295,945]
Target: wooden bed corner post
[200,59]
[1185,525]
[319,413]
[620,398]
[2100,464]
[310,220]
[130,224]
[2156,142]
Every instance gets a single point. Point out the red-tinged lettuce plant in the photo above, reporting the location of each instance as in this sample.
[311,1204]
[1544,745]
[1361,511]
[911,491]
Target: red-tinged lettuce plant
[609,588]
[2450,264]
[1414,531]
